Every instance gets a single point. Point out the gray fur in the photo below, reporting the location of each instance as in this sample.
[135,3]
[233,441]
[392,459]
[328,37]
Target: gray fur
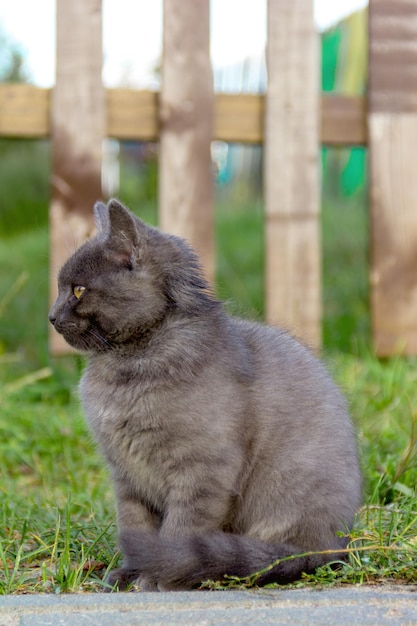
[228,444]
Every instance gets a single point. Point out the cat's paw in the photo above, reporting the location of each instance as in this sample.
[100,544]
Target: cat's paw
[146,584]
[120,579]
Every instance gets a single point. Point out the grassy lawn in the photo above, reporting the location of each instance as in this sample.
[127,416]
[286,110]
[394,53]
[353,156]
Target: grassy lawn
[57,530]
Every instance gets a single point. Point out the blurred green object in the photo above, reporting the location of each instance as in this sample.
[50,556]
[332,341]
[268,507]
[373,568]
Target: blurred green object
[25,185]
[344,71]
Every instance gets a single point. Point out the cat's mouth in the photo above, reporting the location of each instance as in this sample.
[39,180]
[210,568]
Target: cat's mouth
[86,339]
[69,331]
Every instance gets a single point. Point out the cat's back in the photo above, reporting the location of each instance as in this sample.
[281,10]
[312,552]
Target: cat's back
[281,360]
[291,388]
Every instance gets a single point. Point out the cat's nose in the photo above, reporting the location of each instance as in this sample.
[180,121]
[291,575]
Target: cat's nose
[52,315]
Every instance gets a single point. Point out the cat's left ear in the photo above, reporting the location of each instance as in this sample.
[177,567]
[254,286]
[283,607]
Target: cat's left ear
[101,217]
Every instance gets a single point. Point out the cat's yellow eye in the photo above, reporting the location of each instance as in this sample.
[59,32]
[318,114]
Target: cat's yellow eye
[78,291]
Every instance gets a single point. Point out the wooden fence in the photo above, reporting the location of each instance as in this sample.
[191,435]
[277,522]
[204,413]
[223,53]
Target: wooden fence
[291,120]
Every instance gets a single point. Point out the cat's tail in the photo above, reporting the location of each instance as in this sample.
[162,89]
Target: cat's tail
[186,562]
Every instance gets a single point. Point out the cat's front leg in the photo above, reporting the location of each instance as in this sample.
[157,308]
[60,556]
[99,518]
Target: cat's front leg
[131,513]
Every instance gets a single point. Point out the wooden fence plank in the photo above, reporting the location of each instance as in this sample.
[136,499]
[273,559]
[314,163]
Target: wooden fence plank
[343,120]
[186,114]
[393,180]
[291,170]
[78,120]
[239,117]
[133,115]
[24,111]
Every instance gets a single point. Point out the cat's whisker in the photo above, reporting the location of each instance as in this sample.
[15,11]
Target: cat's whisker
[100,341]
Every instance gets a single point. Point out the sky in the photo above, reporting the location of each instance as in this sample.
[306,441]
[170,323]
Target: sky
[132,34]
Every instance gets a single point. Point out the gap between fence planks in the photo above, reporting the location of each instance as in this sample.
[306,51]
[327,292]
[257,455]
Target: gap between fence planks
[133,115]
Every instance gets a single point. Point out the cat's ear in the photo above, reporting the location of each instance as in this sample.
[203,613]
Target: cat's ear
[115,221]
[117,226]
[121,223]
[101,216]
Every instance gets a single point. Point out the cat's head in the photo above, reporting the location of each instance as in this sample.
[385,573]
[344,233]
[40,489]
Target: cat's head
[122,283]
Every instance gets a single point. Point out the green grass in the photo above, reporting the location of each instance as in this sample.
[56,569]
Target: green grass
[240,258]
[346,324]
[57,530]
[24,203]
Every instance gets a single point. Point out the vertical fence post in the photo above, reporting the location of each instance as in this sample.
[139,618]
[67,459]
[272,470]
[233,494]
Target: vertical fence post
[393,175]
[291,170]
[78,121]
[186,123]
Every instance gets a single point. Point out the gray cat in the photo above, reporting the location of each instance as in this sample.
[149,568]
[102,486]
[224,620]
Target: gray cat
[229,447]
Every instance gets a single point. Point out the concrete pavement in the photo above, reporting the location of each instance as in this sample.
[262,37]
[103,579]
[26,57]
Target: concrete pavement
[341,606]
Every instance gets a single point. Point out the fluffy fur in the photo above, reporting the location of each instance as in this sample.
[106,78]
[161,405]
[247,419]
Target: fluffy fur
[228,444]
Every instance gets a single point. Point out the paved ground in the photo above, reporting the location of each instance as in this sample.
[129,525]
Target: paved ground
[362,606]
